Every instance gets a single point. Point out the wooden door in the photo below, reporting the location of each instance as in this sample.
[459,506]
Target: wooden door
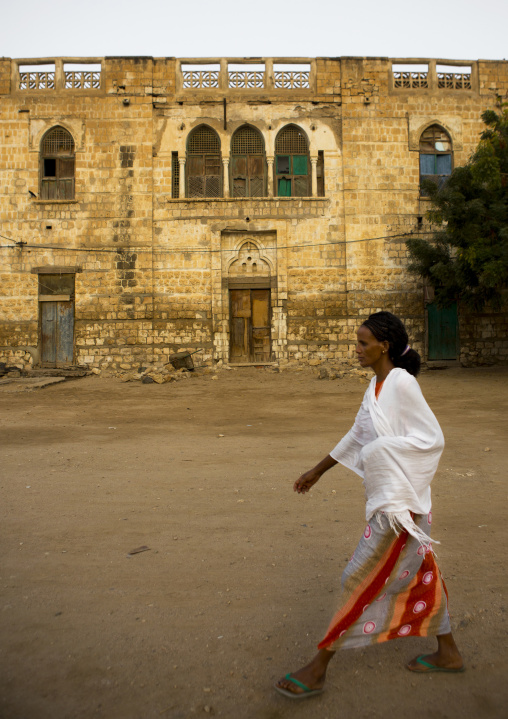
[57,333]
[250,325]
[443,332]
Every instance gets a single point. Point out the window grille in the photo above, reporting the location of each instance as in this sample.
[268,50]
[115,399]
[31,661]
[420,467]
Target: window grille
[37,77]
[245,80]
[82,80]
[57,165]
[203,141]
[57,141]
[291,141]
[247,141]
[204,165]
[175,175]
[37,81]
[435,156]
[411,79]
[454,80]
[291,80]
[200,77]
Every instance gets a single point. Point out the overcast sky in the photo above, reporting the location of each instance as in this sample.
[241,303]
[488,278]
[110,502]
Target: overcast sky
[444,29]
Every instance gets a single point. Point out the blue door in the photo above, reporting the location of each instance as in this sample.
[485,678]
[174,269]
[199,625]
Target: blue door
[57,333]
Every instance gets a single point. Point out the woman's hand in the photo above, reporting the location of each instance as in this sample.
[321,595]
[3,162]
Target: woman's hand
[309,479]
[306,481]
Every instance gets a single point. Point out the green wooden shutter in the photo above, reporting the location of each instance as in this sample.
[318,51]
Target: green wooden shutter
[299,164]
[284,189]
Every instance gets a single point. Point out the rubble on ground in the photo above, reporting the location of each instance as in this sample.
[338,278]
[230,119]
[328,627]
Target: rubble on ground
[162,373]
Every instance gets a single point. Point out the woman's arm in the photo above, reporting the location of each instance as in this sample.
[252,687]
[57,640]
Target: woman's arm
[309,479]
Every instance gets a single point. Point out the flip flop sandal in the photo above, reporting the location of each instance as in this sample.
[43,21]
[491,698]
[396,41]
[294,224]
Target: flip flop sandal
[301,695]
[432,667]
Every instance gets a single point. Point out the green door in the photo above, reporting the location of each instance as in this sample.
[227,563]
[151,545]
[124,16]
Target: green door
[284,187]
[443,332]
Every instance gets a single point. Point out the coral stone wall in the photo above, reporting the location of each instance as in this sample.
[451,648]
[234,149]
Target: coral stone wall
[153,269]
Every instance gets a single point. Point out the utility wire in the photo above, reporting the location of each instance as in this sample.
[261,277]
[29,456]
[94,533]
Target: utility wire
[19,243]
[198,250]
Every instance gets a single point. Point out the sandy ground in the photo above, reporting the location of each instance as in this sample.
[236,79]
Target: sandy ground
[242,575]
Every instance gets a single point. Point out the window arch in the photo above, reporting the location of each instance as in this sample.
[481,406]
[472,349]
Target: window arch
[292,163]
[247,163]
[435,155]
[57,165]
[204,165]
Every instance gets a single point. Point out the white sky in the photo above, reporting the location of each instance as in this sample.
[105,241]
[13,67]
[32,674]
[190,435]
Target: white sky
[445,29]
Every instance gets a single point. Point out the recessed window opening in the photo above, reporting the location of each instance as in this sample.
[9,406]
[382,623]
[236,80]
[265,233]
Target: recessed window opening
[454,77]
[248,164]
[200,76]
[37,77]
[291,75]
[49,167]
[57,165]
[82,76]
[56,284]
[204,163]
[410,75]
[175,175]
[245,76]
[292,163]
[435,156]
[320,172]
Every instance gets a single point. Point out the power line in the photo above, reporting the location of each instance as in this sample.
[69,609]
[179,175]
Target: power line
[19,243]
[199,250]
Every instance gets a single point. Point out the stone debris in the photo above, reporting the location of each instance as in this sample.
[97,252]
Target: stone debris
[162,373]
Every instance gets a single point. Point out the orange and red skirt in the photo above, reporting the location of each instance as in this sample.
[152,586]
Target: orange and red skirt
[391,588]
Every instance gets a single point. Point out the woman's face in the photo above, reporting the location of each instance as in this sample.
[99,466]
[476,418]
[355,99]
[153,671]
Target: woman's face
[369,350]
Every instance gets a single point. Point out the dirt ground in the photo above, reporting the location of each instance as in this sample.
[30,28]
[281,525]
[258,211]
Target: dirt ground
[241,575]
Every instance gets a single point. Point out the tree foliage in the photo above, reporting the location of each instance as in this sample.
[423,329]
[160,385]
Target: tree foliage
[466,258]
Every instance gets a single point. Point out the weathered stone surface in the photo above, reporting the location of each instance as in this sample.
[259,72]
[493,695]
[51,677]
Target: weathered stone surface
[156,278]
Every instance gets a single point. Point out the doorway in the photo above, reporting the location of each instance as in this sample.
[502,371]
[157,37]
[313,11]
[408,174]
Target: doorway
[249,312]
[56,319]
[443,332]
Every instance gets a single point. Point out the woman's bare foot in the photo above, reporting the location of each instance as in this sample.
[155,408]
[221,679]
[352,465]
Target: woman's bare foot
[447,657]
[312,675]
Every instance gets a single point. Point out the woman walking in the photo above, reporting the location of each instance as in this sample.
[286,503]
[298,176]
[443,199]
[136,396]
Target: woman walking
[392,586]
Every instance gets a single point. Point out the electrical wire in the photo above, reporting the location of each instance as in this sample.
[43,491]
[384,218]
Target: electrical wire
[198,250]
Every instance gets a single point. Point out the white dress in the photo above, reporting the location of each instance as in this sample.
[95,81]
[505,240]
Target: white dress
[395,445]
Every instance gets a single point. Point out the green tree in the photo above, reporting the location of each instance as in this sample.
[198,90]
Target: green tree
[466,256]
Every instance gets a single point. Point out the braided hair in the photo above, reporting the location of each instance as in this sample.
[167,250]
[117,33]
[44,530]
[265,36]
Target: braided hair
[387,327]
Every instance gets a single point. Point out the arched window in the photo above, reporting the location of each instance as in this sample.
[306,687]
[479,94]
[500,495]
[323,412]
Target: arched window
[292,163]
[57,165]
[247,163]
[204,165]
[435,155]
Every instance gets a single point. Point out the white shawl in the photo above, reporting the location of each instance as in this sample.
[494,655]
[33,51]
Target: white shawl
[395,445]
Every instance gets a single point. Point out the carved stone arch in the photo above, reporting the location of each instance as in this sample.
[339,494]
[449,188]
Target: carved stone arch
[39,127]
[417,126]
[249,258]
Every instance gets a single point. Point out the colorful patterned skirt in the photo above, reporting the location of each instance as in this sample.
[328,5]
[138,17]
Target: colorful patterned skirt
[391,588]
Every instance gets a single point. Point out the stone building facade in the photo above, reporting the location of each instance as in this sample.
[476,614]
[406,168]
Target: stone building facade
[254,209]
